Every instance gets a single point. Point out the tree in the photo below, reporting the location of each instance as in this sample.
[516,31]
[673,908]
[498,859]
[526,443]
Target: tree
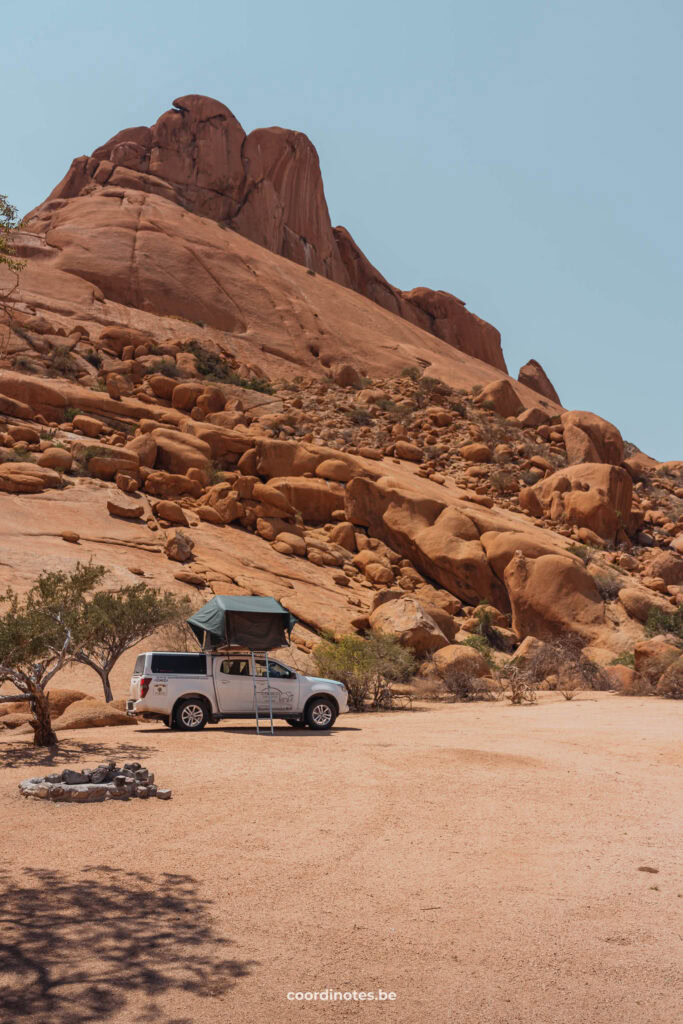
[38,635]
[8,259]
[111,622]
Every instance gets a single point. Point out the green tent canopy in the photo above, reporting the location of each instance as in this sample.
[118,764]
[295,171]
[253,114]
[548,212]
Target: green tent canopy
[253,623]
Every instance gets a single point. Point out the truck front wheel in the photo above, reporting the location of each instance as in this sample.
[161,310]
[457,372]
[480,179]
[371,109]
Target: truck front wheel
[321,713]
[191,714]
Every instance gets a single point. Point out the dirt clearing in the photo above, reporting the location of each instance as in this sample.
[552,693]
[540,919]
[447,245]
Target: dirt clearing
[480,861]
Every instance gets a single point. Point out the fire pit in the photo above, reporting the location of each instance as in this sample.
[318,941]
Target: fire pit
[106,782]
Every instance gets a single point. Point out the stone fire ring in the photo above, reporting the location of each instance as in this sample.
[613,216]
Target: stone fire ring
[106,782]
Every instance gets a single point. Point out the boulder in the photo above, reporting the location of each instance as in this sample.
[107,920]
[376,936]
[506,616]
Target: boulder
[90,713]
[296,544]
[639,602]
[668,566]
[145,448]
[316,500]
[592,495]
[124,509]
[171,512]
[533,417]
[653,657]
[27,478]
[460,658]
[552,595]
[179,546]
[285,459]
[162,386]
[177,452]
[671,680]
[88,425]
[185,395]
[344,535]
[501,396]
[334,469]
[226,446]
[210,515]
[171,485]
[407,619]
[589,438]
[475,452]
[408,451]
[56,458]
[60,700]
[24,432]
[105,461]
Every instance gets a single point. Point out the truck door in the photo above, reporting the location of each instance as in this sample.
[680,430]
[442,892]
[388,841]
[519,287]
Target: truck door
[234,686]
[284,687]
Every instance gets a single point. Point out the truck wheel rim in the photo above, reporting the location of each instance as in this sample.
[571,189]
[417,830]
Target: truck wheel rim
[191,715]
[321,714]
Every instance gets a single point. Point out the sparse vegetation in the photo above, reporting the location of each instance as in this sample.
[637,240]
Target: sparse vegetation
[626,658]
[62,364]
[167,367]
[658,621]
[369,666]
[482,646]
[216,367]
[609,584]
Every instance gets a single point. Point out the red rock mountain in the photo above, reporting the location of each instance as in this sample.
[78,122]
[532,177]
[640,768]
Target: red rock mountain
[267,187]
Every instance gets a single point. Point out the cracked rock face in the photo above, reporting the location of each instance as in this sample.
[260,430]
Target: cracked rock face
[106,782]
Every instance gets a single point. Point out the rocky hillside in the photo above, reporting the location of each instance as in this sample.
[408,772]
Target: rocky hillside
[216,410]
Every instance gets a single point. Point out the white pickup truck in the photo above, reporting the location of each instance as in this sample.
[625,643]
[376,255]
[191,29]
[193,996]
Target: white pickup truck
[188,690]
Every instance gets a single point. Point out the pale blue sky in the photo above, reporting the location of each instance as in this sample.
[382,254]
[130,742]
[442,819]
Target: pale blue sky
[524,155]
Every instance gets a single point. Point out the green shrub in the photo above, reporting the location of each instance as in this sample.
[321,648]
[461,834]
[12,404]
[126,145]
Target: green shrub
[581,551]
[487,631]
[368,666]
[167,367]
[62,363]
[213,366]
[625,658]
[659,621]
[360,417]
[609,584]
[70,413]
[482,645]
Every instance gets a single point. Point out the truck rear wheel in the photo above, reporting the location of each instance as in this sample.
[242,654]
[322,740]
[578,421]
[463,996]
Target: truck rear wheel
[321,713]
[191,714]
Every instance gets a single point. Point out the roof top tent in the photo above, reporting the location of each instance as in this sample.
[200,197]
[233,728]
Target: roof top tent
[255,624]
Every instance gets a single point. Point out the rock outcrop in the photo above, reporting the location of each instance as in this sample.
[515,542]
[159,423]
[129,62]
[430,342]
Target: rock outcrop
[534,376]
[266,186]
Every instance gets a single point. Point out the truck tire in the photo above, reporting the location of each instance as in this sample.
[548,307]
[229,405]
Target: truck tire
[321,713]
[191,714]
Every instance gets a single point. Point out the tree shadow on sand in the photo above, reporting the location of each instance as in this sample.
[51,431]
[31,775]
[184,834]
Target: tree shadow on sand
[74,951]
[22,753]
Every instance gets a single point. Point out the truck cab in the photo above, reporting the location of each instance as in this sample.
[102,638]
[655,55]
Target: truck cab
[187,690]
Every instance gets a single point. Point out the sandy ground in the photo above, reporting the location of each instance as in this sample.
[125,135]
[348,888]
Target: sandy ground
[481,861]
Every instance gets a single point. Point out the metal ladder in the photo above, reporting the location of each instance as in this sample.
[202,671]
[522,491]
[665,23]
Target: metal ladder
[270,696]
